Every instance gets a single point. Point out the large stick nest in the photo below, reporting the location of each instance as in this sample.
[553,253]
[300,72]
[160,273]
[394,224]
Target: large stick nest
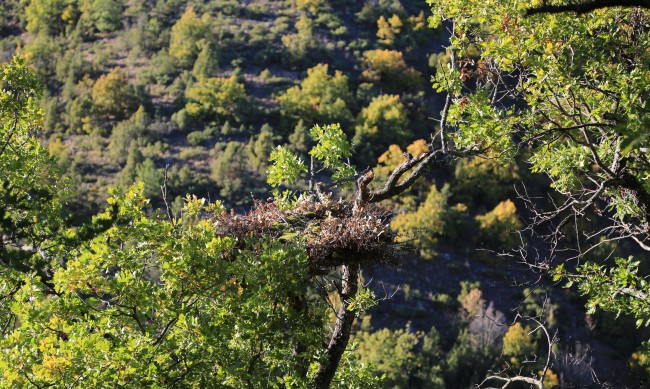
[332,233]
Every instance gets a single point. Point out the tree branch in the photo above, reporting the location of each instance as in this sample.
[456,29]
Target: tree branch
[391,188]
[507,381]
[583,8]
[341,335]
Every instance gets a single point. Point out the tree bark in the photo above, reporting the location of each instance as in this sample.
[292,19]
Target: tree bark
[342,329]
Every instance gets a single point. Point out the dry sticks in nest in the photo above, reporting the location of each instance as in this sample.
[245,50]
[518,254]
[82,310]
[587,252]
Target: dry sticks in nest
[331,233]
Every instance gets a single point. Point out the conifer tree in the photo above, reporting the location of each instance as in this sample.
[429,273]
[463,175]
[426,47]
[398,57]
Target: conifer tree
[129,171]
[206,64]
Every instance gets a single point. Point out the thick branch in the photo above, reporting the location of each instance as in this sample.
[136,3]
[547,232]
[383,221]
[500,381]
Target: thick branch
[342,329]
[391,188]
[583,8]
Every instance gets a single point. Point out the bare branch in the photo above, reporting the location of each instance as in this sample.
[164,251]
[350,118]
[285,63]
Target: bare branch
[163,189]
[427,161]
[509,380]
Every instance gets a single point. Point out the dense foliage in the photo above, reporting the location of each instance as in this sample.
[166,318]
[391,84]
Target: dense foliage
[539,122]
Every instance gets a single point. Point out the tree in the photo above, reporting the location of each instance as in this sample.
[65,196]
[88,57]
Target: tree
[30,207]
[426,224]
[394,157]
[260,148]
[101,15]
[387,68]
[390,352]
[566,159]
[583,81]
[484,181]
[299,141]
[389,29]
[397,31]
[373,9]
[498,228]
[206,64]
[49,16]
[186,34]
[217,99]
[42,53]
[151,177]
[320,98]
[355,235]
[229,169]
[303,40]
[174,295]
[138,297]
[133,160]
[125,132]
[79,109]
[113,95]
[518,345]
[60,152]
[383,122]
[8,19]
[311,5]
[586,7]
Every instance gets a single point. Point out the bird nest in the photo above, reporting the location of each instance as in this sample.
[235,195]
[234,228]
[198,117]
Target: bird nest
[332,234]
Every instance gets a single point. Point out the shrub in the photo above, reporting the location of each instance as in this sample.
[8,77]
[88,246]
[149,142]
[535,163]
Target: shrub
[518,345]
[483,181]
[382,122]
[497,228]
[426,224]
[386,68]
[113,95]
[320,98]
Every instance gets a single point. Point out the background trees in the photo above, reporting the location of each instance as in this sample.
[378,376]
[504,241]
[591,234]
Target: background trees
[217,99]
[383,122]
[101,15]
[320,98]
[388,69]
[48,16]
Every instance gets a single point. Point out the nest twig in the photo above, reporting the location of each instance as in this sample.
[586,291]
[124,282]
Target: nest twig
[331,233]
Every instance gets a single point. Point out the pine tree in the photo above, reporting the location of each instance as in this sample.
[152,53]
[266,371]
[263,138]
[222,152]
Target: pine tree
[124,133]
[299,140]
[152,178]
[128,174]
[206,64]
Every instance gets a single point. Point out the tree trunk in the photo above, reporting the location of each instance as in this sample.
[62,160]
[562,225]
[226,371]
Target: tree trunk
[341,336]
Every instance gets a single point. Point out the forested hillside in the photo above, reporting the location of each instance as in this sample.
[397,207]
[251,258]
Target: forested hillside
[323,193]
[209,88]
